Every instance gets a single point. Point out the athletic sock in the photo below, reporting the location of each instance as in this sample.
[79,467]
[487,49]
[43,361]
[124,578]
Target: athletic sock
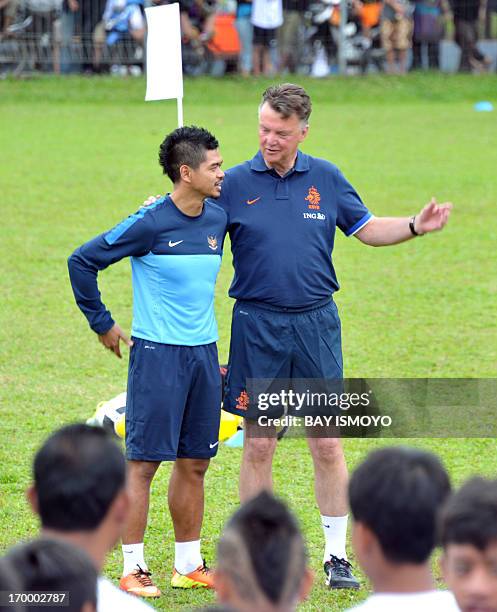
[187,556]
[133,557]
[335,533]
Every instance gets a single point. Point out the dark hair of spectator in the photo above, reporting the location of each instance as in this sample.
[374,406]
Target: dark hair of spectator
[56,566]
[78,473]
[10,580]
[262,549]
[185,146]
[288,100]
[397,493]
[470,515]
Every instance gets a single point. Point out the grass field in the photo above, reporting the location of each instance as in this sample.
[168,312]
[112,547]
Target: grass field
[78,155]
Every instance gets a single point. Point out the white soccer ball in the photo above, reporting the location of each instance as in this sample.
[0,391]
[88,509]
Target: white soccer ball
[110,415]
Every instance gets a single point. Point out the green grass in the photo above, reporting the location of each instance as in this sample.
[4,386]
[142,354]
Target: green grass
[79,154]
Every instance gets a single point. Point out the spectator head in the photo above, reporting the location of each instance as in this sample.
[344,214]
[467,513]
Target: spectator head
[468,533]
[56,566]
[395,496]
[79,484]
[10,580]
[262,558]
[185,150]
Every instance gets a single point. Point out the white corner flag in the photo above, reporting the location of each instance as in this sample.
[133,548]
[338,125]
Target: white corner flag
[164,65]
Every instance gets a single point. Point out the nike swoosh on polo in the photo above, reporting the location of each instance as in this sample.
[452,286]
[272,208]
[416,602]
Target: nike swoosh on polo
[213,445]
[173,244]
[253,201]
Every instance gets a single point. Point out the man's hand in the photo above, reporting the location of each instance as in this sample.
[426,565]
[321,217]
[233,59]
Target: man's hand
[432,217]
[112,338]
[150,200]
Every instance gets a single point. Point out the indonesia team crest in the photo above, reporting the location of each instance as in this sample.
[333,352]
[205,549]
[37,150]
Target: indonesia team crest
[313,197]
[212,241]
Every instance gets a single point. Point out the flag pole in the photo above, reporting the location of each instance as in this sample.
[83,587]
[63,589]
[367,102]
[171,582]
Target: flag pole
[179,102]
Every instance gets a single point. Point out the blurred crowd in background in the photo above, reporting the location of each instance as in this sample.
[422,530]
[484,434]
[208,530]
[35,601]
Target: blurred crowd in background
[253,37]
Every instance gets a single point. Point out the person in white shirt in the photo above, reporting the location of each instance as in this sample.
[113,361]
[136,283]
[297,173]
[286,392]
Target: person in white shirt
[267,17]
[79,493]
[395,496]
[468,533]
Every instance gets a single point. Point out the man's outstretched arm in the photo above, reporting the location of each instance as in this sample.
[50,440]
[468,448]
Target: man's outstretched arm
[384,231]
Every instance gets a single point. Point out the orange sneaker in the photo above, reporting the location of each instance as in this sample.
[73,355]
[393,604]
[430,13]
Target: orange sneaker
[202,577]
[139,583]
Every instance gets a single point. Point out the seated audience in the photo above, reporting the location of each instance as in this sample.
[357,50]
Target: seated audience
[468,533]
[262,559]
[56,566]
[79,494]
[395,496]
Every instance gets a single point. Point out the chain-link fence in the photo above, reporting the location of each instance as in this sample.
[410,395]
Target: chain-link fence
[72,36]
[317,37]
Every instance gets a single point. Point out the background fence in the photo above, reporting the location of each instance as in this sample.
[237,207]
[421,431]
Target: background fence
[317,37]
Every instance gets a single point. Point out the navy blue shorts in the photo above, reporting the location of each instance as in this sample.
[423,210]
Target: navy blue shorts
[173,404]
[271,343]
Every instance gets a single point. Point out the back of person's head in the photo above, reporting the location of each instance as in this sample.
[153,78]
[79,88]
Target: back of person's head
[468,534]
[186,146]
[55,566]
[78,473]
[10,582]
[263,556]
[396,493]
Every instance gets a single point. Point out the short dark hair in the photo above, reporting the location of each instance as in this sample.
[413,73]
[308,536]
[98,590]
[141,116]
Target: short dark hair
[185,146]
[288,99]
[397,493]
[48,564]
[263,550]
[10,580]
[78,473]
[470,515]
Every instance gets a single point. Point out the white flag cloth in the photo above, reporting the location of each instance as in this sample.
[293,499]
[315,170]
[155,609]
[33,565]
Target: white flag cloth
[164,67]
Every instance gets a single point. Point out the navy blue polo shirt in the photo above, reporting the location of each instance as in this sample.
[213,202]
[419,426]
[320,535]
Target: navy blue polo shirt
[282,229]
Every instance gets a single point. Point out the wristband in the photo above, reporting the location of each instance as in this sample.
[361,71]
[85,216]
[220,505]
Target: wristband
[411,227]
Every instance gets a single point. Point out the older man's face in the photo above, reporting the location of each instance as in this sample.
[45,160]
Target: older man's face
[471,574]
[279,138]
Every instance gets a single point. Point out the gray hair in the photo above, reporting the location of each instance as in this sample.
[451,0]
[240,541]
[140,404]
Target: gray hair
[287,100]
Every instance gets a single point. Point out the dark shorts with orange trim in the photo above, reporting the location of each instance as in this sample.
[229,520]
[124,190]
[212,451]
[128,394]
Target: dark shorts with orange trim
[271,343]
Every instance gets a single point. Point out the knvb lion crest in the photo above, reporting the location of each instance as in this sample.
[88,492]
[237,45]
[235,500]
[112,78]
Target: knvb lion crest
[212,241]
[313,197]
[242,401]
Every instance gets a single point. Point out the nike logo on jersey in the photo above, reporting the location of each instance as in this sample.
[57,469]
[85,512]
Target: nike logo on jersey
[253,201]
[173,244]
[213,445]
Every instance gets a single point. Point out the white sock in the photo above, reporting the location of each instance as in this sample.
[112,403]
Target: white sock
[335,533]
[133,557]
[187,556]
